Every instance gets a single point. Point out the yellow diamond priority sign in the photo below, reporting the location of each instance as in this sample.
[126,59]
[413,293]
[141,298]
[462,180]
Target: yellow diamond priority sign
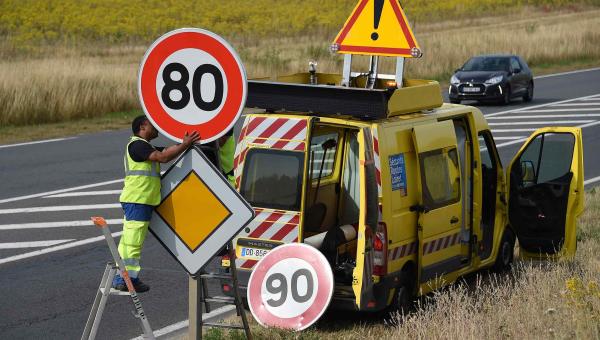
[199,211]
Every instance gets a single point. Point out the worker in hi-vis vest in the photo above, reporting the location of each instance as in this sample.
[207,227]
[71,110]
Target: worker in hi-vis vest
[141,193]
[226,154]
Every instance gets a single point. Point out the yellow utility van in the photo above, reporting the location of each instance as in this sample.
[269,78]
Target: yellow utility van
[401,192]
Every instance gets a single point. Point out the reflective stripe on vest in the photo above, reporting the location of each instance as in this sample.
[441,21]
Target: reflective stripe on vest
[142,179]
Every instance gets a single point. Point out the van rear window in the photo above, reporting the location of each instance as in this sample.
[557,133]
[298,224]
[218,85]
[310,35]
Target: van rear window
[273,179]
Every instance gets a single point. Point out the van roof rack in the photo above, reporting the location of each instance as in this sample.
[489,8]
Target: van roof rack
[294,95]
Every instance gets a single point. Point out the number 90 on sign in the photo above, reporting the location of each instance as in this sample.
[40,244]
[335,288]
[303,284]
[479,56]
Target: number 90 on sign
[289,288]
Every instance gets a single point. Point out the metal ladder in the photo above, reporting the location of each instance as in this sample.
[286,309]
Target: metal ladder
[105,289]
[205,299]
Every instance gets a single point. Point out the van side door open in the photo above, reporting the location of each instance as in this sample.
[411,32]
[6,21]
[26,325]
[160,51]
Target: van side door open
[440,206]
[545,186]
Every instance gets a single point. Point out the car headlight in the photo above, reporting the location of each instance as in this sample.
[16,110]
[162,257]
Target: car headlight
[454,80]
[494,80]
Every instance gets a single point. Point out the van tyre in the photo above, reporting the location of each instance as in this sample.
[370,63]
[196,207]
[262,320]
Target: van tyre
[506,252]
[403,301]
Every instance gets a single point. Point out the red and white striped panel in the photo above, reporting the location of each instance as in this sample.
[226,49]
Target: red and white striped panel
[376,158]
[240,148]
[268,224]
[402,251]
[274,133]
[440,243]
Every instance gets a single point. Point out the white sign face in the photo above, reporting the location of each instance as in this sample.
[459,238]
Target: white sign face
[199,211]
[291,287]
[192,80]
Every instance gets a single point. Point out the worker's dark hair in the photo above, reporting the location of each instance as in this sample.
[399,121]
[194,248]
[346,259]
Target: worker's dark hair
[137,123]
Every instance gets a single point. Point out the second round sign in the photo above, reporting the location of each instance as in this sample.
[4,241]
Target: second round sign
[291,287]
[192,80]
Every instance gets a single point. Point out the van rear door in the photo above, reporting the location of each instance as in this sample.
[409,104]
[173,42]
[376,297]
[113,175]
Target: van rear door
[362,275]
[545,186]
[270,169]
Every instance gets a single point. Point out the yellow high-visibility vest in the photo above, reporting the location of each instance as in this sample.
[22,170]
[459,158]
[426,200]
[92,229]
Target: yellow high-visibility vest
[142,179]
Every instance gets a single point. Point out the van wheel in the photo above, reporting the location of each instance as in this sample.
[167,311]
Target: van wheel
[403,301]
[506,252]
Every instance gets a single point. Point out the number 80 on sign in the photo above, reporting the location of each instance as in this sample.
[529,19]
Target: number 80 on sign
[291,287]
[192,80]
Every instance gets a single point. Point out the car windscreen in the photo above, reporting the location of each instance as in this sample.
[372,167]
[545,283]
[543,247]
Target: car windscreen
[487,64]
[273,179]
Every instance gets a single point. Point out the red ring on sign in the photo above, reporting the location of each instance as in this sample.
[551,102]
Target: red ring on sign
[233,72]
[324,293]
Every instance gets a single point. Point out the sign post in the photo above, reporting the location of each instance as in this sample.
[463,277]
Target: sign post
[193,80]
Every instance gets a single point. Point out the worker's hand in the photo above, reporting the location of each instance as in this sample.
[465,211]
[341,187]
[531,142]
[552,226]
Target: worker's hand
[190,139]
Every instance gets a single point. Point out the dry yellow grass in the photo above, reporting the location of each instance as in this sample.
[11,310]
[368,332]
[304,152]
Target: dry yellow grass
[65,83]
[536,300]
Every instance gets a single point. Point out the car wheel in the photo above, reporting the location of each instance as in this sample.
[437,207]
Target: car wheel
[455,101]
[529,95]
[505,256]
[506,97]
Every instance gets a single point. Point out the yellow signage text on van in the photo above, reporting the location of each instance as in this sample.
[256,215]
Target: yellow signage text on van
[378,27]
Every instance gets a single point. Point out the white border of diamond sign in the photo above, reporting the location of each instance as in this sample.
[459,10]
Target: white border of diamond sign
[241,212]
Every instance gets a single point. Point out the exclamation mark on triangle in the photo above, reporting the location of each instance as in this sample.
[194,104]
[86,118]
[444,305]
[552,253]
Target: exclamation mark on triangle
[376,17]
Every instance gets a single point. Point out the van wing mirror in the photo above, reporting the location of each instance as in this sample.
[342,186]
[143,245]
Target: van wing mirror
[527,172]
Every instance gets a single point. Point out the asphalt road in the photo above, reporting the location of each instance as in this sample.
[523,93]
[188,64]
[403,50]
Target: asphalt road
[51,262]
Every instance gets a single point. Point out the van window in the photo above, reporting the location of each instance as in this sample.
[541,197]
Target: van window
[441,180]
[552,149]
[277,187]
[317,153]
[350,184]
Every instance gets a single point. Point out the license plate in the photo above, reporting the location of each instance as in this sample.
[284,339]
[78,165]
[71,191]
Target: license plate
[471,89]
[253,253]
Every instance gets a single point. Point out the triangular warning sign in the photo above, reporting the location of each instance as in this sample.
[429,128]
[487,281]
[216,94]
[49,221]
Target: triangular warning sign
[378,27]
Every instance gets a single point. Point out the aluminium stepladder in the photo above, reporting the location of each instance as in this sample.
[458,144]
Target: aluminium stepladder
[105,289]
[205,299]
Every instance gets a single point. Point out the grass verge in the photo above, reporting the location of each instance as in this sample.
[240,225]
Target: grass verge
[535,300]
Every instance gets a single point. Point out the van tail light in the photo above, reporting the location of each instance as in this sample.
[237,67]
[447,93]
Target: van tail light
[380,245]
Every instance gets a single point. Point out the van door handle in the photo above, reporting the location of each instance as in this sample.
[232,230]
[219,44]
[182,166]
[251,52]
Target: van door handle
[454,219]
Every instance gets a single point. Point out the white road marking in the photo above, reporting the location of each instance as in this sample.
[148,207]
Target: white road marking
[495,138]
[576,104]
[43,225]
[524,139]
[583,115]
[567,73]
[87,193]
[55,248]
[563,110]
[543,123]
[591,99]
[20,198]
[36,142]
[527,108]
[591,180]
[58,208]
[512,130]
[219,312]
[32,244]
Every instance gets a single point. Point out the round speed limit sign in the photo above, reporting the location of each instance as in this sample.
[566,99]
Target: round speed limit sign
[290,287]
[192,80]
